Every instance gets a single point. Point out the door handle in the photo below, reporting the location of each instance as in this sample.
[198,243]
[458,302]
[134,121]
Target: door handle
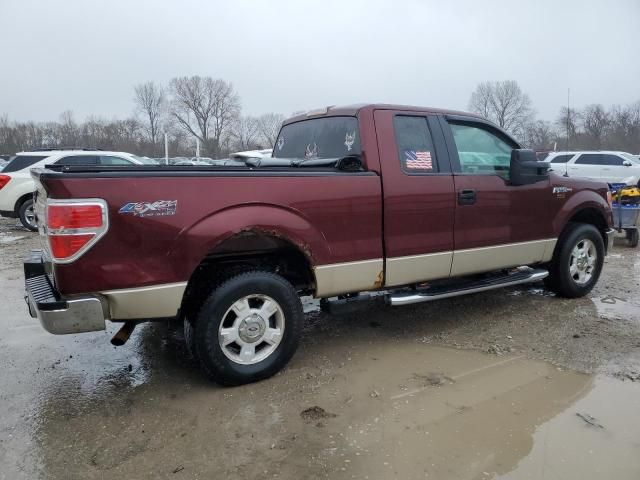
[466,197]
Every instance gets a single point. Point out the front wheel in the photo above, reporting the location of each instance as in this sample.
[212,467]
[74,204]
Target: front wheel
[577,261]
[27,215]
[632,237]
[248,328]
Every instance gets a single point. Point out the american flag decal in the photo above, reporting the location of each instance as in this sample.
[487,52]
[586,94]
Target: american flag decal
[418,160]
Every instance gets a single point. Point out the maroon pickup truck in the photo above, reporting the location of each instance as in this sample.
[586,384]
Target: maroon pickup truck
[419,203]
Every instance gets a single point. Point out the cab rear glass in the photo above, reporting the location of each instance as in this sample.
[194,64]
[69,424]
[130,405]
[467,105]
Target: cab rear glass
[20,162]
[327,137]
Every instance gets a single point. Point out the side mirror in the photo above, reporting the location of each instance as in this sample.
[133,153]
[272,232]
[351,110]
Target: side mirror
[524,169]
[627,163]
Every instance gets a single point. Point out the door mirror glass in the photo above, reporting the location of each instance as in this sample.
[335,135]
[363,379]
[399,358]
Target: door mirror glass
[525,169]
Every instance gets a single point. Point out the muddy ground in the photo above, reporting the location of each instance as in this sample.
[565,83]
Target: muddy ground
[511,384]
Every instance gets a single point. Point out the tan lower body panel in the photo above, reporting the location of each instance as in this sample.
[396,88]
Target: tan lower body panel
[485,259]
[145,302]
[417,268]
[365,275]
[348,277]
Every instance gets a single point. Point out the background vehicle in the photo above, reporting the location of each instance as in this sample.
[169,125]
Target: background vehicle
[229,250]
[611,167]
[266,153]
[17,186]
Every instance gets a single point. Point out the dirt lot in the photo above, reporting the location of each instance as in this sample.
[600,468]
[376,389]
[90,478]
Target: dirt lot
[508,384]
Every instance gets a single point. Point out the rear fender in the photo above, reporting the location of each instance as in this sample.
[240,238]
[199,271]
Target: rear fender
[197,241]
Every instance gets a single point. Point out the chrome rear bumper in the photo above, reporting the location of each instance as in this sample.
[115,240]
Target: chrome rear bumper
[59,315]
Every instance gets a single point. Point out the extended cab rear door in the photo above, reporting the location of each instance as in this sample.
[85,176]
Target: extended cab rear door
[497,225]
[419,199]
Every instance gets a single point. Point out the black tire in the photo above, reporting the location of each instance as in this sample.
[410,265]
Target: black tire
[560,280]
[214,361]
[189,337]
[632,237]
[23,212]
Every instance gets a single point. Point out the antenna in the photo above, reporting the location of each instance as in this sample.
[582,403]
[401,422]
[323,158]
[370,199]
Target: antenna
[568,116]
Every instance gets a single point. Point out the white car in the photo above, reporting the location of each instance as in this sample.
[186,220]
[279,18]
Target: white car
[611,167]
[266,153]
[16,184]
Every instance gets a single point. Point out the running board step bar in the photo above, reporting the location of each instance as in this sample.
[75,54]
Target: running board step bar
[472,286]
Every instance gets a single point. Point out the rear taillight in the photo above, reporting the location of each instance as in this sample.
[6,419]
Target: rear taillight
[73,226]
[4,179]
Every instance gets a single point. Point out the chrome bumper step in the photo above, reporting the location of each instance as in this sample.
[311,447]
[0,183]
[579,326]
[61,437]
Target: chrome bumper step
[465,287]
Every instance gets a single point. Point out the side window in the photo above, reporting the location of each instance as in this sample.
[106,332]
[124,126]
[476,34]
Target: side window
[415,147]
[78,160]
[109,160]
[589,159]
[561,158]
[612,160]
[481,151]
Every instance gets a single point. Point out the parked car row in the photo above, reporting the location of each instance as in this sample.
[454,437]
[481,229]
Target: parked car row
[609,166]
[17,186]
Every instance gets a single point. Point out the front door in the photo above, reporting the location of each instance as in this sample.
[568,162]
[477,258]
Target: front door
[497,225]
[586,165]
[613,169]
[419,199]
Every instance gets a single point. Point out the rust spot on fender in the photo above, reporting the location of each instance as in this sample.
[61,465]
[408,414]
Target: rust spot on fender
[255,230]
[379,280]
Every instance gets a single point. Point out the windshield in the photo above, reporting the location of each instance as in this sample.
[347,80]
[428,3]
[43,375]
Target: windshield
[327,137]
[633,158]
[20,162]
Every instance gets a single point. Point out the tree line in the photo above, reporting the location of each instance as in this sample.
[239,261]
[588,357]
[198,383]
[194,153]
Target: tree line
[209,110]
[593,127]
[188,109]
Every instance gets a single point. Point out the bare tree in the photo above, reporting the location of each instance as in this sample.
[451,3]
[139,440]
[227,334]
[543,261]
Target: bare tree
[245,133]
[596,123]
[540,135]
[150,101]
[481,100]
[503,103]
[68,134]
[567,122]
[205,108]
[269,126]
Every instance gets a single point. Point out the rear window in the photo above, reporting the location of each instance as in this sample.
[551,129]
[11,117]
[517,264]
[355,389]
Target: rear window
[561,158]
[20,162]
[328,137]
[78,160]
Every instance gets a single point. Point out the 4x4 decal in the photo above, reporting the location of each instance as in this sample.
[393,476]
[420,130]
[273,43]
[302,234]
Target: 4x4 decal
[150,209]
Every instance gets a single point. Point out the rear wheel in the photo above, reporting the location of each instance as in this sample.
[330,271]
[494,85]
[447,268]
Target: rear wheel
[248,328]
[27,215]
[632,237]
[577,261]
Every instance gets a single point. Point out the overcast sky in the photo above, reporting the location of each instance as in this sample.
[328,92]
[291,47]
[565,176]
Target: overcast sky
[284,56]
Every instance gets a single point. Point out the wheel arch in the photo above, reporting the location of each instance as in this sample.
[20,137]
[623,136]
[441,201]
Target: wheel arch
[588,214]
[21,199]
[287,245]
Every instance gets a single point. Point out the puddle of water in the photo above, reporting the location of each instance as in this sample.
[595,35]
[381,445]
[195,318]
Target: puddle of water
[605,446]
